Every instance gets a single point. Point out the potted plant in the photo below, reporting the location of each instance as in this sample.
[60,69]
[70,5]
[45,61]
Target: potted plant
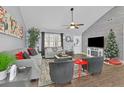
[6,60]
[33,36]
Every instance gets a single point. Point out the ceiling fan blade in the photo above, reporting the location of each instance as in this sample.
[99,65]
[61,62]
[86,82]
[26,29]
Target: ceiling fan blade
[77,27]
[79,24]
[66,25]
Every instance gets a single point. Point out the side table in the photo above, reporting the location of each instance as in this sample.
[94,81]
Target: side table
[80,63]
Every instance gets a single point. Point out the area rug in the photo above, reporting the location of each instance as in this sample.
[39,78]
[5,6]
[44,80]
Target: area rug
[45,77]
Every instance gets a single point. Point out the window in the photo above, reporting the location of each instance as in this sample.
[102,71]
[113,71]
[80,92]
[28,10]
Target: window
[52,40]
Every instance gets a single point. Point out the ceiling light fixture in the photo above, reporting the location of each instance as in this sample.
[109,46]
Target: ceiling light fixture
[73,25]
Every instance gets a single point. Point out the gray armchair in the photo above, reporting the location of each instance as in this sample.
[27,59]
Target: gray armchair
[95,64]
[61,72]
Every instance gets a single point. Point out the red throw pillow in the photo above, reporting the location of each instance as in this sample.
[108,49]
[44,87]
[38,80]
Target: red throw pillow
[32,51]
[115,61]
[30,48]
[19,56]
[29,51]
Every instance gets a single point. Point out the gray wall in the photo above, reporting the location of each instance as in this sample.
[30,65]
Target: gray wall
[103,26]
[9,42]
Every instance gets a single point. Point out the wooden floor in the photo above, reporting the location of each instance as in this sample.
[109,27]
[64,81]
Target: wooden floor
[111,76]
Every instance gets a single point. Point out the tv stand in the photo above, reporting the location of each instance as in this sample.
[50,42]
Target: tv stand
[93,51]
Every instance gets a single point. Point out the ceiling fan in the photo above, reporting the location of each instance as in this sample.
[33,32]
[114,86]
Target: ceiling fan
[73,25]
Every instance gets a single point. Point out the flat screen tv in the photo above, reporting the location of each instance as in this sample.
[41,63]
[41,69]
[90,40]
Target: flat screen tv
[96,42]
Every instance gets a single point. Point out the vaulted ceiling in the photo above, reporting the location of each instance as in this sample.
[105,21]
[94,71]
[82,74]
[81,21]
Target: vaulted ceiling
[55,17]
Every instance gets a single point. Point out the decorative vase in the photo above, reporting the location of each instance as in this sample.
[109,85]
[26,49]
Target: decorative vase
[3,74]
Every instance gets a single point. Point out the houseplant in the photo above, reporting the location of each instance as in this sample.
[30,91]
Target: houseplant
[33,36]
[6,60]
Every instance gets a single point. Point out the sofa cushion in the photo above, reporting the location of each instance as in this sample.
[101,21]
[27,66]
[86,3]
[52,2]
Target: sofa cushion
[35,52]
[19,56]
[33,62]
[35,72]
[37,59]
[32,51]
[25,55]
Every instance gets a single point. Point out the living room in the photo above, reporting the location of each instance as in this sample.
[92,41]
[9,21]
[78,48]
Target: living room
[59,42]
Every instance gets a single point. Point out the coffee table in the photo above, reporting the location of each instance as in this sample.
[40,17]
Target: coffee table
[22,79]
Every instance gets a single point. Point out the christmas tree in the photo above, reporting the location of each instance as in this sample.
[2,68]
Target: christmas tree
[111,50]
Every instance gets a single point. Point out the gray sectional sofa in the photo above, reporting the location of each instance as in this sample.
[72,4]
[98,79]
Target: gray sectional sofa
[34,62]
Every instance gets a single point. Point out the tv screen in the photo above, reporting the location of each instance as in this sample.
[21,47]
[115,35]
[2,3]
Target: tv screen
[96,42]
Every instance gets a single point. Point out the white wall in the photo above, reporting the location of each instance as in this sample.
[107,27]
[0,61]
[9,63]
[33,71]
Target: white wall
[8,42]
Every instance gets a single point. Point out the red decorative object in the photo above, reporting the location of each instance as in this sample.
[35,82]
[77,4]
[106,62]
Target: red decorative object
[32,51]
[80,63]
[29,51]
[115,61]
[30,48]
[19,56]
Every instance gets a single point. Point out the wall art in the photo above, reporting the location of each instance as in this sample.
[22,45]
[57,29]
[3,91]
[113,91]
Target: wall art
[76,41]
[9,25]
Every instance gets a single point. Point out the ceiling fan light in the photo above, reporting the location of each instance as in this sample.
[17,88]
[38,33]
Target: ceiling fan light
[72,27]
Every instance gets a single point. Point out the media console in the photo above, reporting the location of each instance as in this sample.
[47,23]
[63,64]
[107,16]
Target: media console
[93,51]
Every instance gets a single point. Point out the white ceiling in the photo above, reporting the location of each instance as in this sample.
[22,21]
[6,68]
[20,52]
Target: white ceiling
[54,17]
